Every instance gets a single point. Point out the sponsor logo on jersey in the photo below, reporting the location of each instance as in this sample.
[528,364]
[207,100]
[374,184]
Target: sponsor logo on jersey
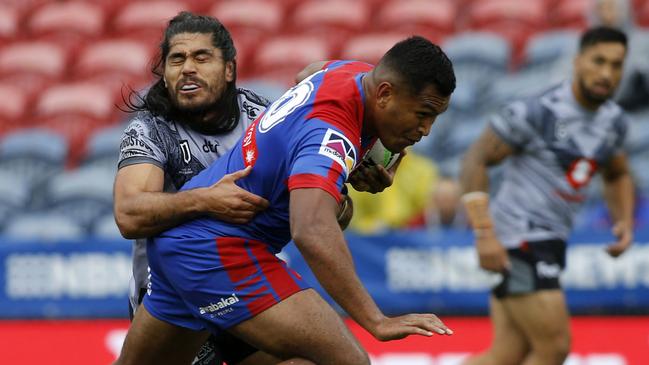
[336,146]
[209,146]
[220,306]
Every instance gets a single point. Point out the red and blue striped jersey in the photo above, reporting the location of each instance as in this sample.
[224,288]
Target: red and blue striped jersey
[309,138]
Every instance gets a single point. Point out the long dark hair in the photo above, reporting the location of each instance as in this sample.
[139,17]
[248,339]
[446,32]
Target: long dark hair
[157,99]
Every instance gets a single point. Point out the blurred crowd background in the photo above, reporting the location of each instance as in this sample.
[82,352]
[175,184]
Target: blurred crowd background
[65,67]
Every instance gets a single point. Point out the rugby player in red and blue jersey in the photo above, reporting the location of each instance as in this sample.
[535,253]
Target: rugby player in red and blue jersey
[211,276]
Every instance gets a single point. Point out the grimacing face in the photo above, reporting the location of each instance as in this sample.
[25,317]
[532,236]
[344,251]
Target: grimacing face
[194,71]
[404,118]
[598,70]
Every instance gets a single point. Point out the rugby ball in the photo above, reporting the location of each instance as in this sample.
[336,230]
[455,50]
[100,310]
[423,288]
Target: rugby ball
[379,155]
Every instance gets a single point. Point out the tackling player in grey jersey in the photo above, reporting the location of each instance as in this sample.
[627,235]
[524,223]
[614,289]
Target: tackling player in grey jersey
[181,152]
[191,114]
[554,143]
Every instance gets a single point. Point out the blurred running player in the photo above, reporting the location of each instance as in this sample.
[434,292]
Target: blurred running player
[210,276]
[555,143]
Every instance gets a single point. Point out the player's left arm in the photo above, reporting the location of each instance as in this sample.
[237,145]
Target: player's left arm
[619,195]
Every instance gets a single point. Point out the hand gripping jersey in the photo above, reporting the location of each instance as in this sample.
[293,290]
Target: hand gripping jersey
[558,148]
[182,153]
[210,274]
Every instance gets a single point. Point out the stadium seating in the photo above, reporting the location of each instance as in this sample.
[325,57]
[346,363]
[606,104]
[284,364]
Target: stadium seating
[33,155]
[145,20]
[103,148]
[67,23]
[8,23]
[546,48]
[332,21]
[63,65]
[281,58]
[433,19]
[69,194]
[571,14]
[249,20]
[13,107]
[106,228]
[43,227]
[370,47]
[32,66]
[114,63]
[14,195]
[87,99]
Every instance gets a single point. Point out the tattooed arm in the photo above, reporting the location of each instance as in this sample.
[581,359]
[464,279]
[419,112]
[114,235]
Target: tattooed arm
[488,150]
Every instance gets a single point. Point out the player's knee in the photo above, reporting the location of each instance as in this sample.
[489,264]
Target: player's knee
[359,357]
[351,356]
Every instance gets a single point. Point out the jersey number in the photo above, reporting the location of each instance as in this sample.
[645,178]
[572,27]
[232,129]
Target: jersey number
[291,100]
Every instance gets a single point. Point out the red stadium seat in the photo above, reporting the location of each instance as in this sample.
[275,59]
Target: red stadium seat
[86,99]
[249,20]
[332,20]
[513,19]
[8,22]
[484,14]
[146,19]
[115,62]
[67,23]
[13,107]
[423,17]
[370,47]
[643,15]
[282,58]
[13,102]
[571,14]
[31,66]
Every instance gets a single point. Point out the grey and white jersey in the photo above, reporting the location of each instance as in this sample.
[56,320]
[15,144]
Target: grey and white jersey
[181,153]
[558,146]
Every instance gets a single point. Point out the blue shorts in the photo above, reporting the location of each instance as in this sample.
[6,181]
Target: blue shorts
[215,284]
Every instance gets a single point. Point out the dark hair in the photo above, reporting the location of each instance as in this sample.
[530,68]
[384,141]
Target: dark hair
[419,62]
[601,34]
[157,99]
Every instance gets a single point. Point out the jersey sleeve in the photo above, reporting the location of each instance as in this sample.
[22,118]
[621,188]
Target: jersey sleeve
[141,143]
[621,128]
[323,158]
[511,124]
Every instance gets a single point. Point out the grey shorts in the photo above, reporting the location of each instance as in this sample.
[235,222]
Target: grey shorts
[534,266]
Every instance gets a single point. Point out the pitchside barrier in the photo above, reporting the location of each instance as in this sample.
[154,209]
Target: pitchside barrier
[404,271]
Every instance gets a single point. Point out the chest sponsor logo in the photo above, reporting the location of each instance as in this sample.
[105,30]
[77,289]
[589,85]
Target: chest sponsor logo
[185,151]
[337,147]
[210,146]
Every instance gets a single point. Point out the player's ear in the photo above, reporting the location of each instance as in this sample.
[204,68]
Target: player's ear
[230,69]
[384,93]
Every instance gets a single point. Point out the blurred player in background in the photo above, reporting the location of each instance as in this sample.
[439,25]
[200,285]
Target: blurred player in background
[555,143]
[192,115]
[208,274]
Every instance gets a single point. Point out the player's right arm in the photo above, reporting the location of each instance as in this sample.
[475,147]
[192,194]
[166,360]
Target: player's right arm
[142,209]
[489,150]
